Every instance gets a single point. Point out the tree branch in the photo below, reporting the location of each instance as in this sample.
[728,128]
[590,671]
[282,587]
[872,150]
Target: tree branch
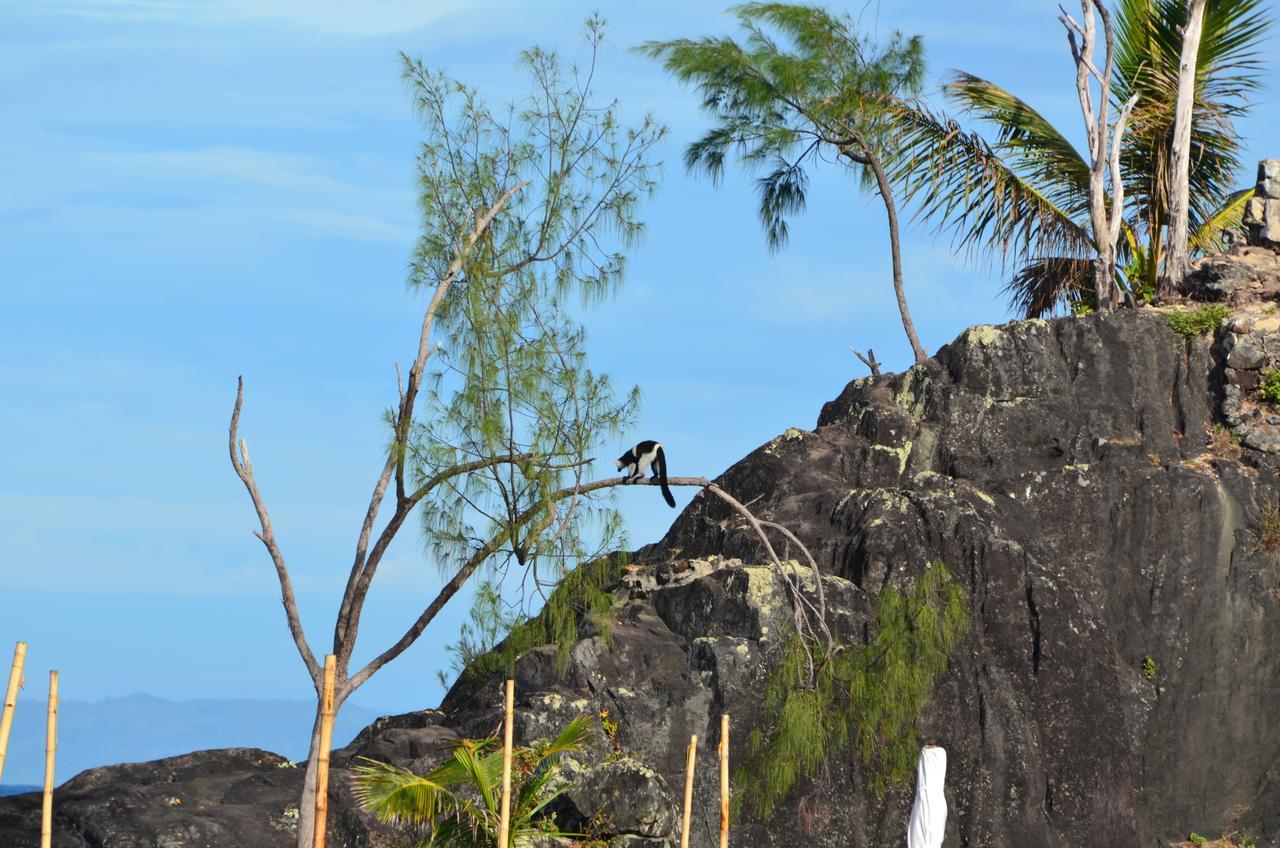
[244,470]
[342,641]
[477,559]
[869,360]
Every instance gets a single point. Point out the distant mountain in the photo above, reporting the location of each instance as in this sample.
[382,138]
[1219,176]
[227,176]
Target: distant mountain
[17,790]
[143,727]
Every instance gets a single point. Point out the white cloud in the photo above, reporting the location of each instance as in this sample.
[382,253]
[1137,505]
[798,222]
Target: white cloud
[366,18]
[203,188]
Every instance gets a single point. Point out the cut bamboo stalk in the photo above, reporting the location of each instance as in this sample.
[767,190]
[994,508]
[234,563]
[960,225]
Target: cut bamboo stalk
[11,699]
[504,824]
[326,742]
[690,756]
[724,781]
[50,745]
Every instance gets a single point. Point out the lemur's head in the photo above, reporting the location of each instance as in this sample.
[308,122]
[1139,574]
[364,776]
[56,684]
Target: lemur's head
[620,464]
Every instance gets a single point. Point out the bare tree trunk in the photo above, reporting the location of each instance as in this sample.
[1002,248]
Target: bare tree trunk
[307,803]
[1104,144]
[1180,152]
[869,158]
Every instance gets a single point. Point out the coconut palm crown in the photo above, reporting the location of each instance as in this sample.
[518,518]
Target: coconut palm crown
[1023,195]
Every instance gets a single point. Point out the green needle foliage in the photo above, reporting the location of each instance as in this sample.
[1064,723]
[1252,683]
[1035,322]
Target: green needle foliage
[496,637]
[512,399]
[864,698]
[456,805]
[802,87]
[1021,193]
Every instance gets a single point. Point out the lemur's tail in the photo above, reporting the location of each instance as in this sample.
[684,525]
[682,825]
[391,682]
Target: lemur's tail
[660,466]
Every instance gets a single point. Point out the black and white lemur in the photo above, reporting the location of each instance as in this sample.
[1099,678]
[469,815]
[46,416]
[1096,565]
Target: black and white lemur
[638,460]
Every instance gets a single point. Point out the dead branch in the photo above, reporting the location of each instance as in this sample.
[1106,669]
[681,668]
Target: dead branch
[869,360]
[1104,141]
[464,573]
[244,470]
[363,567]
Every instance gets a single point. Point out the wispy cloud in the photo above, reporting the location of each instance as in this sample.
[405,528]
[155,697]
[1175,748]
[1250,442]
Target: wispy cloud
[215,186]
[368,18]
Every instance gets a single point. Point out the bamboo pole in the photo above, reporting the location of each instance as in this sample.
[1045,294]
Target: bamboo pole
[724,781]
[690,756]
[504,826]
[50,745]
[11,699]
[326,742]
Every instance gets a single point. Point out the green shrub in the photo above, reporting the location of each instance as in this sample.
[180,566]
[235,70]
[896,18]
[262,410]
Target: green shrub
[864,698]
[586,593]
[1149,667]
[1198,840]
[1190,323]
[1269,388]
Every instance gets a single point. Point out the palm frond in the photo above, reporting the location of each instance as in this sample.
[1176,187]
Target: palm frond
[397,795]
[484,773]
[1026,141]
[1043,284]
[1148,54]
[1210,235]
[958,182]
[574,737]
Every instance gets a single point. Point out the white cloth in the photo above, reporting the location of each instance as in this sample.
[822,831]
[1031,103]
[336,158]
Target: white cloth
[929,812]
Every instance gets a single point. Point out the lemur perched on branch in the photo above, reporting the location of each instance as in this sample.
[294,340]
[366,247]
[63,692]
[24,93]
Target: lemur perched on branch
[640,458]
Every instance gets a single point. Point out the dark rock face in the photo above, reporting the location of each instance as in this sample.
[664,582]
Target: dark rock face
[235,796]
[1061,470]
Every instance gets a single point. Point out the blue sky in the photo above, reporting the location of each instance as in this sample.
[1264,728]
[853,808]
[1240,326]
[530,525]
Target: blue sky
[192,191]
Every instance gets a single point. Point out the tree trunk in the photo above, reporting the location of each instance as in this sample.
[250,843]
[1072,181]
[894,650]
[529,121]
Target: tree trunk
[1180,152]
[891,212]
[307,803]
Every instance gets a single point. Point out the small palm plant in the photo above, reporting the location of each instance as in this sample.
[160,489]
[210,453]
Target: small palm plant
[457,803]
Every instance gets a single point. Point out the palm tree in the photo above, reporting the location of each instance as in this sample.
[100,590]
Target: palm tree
[457,803]
[1024,195]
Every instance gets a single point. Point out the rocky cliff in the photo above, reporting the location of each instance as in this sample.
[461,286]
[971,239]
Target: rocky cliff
[1105,489]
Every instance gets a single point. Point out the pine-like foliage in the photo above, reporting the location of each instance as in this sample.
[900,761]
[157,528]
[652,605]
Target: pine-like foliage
[514,412]
[864,699]
[801,80]
[496,637]
[456,805]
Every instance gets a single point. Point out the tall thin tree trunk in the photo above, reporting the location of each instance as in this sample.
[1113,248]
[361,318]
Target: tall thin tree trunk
[307,804]
[1180,153]
[891,212]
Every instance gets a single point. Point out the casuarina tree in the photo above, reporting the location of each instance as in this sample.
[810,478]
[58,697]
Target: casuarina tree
[800,83]
[524,209]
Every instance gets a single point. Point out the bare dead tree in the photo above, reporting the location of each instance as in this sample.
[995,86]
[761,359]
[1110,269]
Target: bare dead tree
[1104,142]
[869,360]
[1176,259]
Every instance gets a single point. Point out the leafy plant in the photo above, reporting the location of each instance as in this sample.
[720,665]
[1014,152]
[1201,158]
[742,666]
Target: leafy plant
[1149,667]
[610,727]
[1269,387]
[864,697]
[1197,840]
[1190,323]
[457,803]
